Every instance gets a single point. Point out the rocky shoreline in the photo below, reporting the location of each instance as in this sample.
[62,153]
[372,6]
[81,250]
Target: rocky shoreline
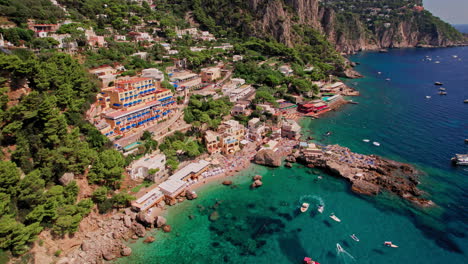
[109,240]
[368,174]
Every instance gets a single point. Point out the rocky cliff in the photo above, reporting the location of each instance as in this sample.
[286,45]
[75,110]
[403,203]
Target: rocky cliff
[291,22]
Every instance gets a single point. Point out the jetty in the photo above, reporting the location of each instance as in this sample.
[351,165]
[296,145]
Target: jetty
[368,174]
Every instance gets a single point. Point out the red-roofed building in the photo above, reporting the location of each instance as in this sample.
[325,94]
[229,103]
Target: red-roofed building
[312,107]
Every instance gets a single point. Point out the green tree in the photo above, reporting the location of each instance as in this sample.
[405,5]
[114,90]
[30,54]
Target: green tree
[9,177]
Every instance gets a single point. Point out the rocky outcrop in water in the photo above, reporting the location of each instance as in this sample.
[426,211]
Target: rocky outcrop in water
[369,174]
[268,157]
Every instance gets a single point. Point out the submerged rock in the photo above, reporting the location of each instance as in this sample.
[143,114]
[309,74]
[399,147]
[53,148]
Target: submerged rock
[167,228]
[227,182]
[149,239]
[191,195]
[214,216]
[256,184]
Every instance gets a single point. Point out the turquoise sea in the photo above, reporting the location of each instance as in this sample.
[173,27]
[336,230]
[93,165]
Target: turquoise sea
[264,225]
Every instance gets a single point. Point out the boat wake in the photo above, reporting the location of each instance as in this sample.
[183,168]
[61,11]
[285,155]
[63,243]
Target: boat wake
[343,254]
[309,198]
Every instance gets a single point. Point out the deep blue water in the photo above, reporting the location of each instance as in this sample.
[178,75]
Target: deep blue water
[264,226]
[462,28]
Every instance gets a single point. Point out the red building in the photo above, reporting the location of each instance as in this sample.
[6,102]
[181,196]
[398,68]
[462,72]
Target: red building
[312,107]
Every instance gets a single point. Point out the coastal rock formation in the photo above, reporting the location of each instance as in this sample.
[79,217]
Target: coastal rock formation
[227,182]
[126,251]
[369,174]
[145,219]
[268,157]
[294,22]
[139,230]
[149,239]
[167,228]
[108,256]
[256,184]
[288,165]
[190,195]
[257,177]
[160,221]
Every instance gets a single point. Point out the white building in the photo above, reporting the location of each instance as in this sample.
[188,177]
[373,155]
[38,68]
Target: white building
[140,169]
[148,200]
[154,73]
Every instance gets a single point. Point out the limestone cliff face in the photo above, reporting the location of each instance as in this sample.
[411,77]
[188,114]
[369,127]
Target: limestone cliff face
[276,18]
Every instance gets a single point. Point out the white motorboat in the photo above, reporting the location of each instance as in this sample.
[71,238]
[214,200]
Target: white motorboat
[354,237]
[304,207]
[377,144]
[333,216]
[339,248]
[320,208]
[366,140]
[428,97]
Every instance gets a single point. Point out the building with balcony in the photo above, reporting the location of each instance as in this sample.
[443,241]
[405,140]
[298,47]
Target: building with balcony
[227,139]
[291,130]
[209,75]
[136,102]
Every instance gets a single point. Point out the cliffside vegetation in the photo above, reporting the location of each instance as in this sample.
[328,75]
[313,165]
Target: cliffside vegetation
[44,136]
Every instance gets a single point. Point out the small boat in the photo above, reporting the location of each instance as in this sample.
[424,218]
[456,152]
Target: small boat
[352,102]
[442,89]
[455,56]
[442,93]
[428,97]
[333,216]
[379,73]
[383,51]
[354,237]
[320,208]
[460,159]
[308,260]
[377,144]
[339,248]
[466,101]
[319,177]
[328,133]
[388,79]
[366,140]
[390,244]
[437,62]
[466,140]
[438,83]
[304,207]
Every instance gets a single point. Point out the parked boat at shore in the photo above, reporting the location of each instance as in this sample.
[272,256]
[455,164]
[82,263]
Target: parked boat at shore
[308,260]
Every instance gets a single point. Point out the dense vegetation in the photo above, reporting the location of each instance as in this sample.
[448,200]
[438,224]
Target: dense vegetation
[180,147]
[19,11]
[44,135]
[208,112]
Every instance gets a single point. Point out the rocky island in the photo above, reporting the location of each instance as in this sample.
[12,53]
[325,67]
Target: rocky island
[368,174]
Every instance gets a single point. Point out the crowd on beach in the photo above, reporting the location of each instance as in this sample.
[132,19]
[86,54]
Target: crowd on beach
[344,155]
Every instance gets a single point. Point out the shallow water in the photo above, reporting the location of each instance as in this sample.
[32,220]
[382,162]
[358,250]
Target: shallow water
[265,226]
